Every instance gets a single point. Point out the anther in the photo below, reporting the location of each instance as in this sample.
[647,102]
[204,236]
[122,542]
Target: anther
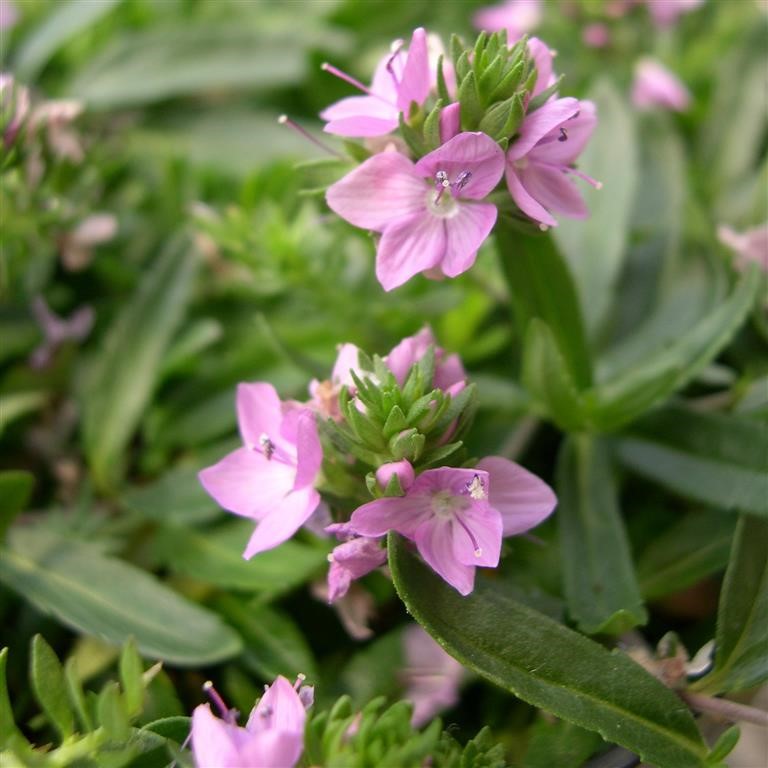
[462,180]
[267,446]
[441,177]
[563,135]
[476,490]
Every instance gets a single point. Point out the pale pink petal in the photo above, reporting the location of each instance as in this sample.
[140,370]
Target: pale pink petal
[347,360]
[309,452]
[539,123]
[465,233]
[656,86]
[554,190]
[408,352]
[360,106]
[386,76]
[361,126]
[280,709]
[450,372]
[434,540]
[353,560]
[272,749]
[415,82]
[450,124]
[542,58]
[522,499]
[212,742]
[516,16]
[402,514]
[484,523]
[286,516]
[402,469]
[259,412]
[408,247]
[665,12]
[382,190]
[577,131]
[247,483]
[524,201]
[472,151]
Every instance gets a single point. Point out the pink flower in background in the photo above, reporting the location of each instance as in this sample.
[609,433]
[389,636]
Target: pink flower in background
[271,478]
[450,375]
[9,15]
[352,560]
[750,246]
[540,160]
[516,16]
[57,330]
[456,520]
[76,246]
[399,80]
[655,86]
[596,35]
[429,214]
[431,677]
[665,13]
[273,737]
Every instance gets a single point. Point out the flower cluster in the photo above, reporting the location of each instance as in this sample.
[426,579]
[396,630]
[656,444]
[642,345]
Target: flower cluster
[388,428]
[440,136]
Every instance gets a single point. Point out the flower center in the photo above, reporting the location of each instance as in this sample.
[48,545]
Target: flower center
[440,204]
[446,505]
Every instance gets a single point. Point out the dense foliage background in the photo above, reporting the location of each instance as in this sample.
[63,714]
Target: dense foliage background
[212,259]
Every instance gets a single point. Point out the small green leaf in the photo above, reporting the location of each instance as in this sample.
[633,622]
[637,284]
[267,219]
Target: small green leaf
[599,579]
[8,729]
[719,460]
[471,108]
[549,665]
[15,490]
[724,745]
[131,678]
[50,687]
[76,695]
[112,714]
[175,728]
[741,658]
[431,129]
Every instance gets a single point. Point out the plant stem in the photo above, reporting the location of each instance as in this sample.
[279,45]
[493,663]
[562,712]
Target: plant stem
[725,709]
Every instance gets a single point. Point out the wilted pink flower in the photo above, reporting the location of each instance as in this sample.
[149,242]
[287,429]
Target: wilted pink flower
[352,560]
[596,35]
[540,160]
[429,214]
[56,117]
[399,80]
[57,330]
[432,677]
[271,478]
[456,520]
[516,16]
[655,86]
[666,12]
[77,246]
[273,737]
[750,246]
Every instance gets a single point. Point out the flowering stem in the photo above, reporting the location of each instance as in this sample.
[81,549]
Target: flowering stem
[724,709]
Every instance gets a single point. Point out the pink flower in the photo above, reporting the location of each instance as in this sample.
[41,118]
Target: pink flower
[655,86]
[57,330]
[596,35]
[666,12]
[398,81]
[324,395]
[455,518]
[750,246]
[432,677]
[540,160]
[272,738]
[516,16]
[543,59]
[352,560]
[429,214]
[402,469]
[8,14]
[269,479]
[449,372]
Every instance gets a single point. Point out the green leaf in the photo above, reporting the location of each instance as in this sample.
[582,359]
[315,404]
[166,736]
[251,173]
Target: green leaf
[121,378]
[17,404]
[15,490]
[111,599]
[548,380]
[549,665]
[216,557]
[274,644]
[8,729]
[719,460]
[131,678]
[112,714]
[541,286]
[595,248]
[50,687]
[559,744]
[693,548]
[76,695]
[741,658]
[599,579]
[658,375]
[63,22]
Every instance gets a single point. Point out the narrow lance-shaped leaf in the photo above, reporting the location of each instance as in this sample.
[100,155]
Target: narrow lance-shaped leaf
[549,665]
[131,671]
[599,578]
[50,687]
[741,659]
[8,729]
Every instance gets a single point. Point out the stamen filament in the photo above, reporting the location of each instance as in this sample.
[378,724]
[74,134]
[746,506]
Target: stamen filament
[475,544]
[326,67]
[285,120]
[226,713]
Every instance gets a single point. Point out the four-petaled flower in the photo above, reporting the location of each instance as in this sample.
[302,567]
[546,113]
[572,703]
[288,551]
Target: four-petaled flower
[271,478]
[429,213]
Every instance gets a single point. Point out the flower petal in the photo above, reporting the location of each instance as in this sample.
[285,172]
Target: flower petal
[415,82]
[465,233]
[285,518]
[450,121]
[247,483]
[402,514]
[259,412]
[434,540]
[381,191]
[485,524]
[272,749]
[472,151]
[309,452]
[522,499]
[212,742]
[578,130]
[524,201]
[539,123]
[348,359]
[408,247]
[408,352]
[552,188]
[280,709]
[542,58]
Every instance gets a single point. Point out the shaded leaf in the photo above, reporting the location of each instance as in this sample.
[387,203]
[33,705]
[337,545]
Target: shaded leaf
[15,490]
[50,687]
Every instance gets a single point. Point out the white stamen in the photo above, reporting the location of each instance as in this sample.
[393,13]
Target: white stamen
[476,490]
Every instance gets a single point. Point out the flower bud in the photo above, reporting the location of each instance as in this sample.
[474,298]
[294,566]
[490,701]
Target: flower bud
[401,469]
